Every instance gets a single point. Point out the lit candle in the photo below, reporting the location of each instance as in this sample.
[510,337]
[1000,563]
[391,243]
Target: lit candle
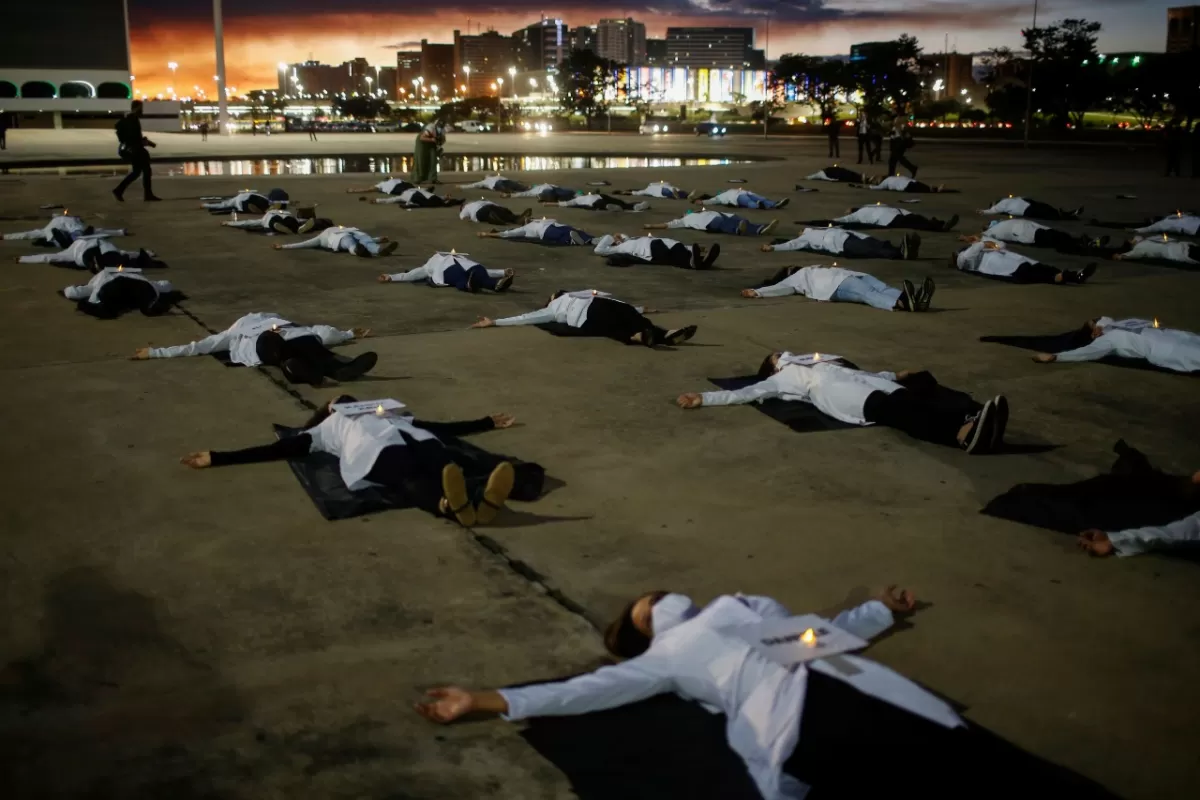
[453,251]
[1156,322]
[816,356]
[809,637]
[274,327]
[379,410]
[1010,195]
[121,268]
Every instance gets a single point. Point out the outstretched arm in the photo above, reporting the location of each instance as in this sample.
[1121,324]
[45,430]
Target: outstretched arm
[1181,533]
[296,446]
[209,344]
[331,336]
[466,427]
[537,317]
[305,245]
[412,276]
[749,394]
[243,223]
[1094,350]
[81,292]
[45,258]
[781,289]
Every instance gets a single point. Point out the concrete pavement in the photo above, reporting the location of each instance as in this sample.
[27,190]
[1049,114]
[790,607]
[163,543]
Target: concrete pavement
[208,634]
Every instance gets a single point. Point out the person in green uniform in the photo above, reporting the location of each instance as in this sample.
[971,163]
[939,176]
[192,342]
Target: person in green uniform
[425,154]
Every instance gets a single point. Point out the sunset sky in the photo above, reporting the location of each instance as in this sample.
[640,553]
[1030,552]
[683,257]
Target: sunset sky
[262,33]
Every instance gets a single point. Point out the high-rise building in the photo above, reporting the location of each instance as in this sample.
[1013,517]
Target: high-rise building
[725,48]
[656,52]
[542,45]
[954,70]
[488,57]
[1183,29]
[408,67]
[438,68]
[329,80]
[621,40]
[584,38]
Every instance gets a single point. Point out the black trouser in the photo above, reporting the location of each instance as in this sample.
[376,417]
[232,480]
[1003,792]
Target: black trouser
[120,295]
[835,148]
[1035,273]
[497,215]
[312,136]
[675,255]
[608,200]
[139,159]
[291,223]
[896,150]
[414,467]
[864,145]
[1061,241]
[421,201]
[1039,210]
[869,247]
[921,411]
[613,319]
[843,174]
[918,187]
[273,350]
[914,222]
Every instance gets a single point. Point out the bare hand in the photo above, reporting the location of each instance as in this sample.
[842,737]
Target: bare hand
[361,333]
[385,278]
[690,400]
[484,322]
[445,704]
[1095,542]
[483,234]
[141,354]
[197,460]
[508,273]
[749,293]
[503,420]
[898,601]
[16,259]
[766,248]
[277,246]
[1045,358]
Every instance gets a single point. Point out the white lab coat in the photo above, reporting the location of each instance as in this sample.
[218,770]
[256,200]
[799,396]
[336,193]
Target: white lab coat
[76,252]
[391,184]
[534,229]
[729,197]
[434,270]
[659,189]
[695,655]
[67,223]
[698,220]
[1001,262]
[820,240]
[536,191]
[566,309]
[1015,230]
[836,390]
[893,183]
[265,222]
[358,440]
[1016,206]
[488,182]
[240,338]
[1179,534]
[606,245]
[91,290]
[1163,347]
[335,239]
[1185,224]
[405,197]
[816,283]
[874,215]
[1166,250]
[471,210]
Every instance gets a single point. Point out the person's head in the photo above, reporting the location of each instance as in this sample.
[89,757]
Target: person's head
[629,635]
[769,366]
[322,413]
[278,196]
[556,295]
[135,108]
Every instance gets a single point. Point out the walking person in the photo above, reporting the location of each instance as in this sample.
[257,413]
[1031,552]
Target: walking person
[3,131]
[425,153]
[1174,137]
[863,132]
[132,148]
[204,131]
[312,130]
[900,143]
[831,131]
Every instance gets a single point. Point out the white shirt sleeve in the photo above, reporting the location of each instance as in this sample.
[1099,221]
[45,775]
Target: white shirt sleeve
[781,289]
[1180,533]
[605,245]
[516,233]
[77,292]
[412,276]
[866,621]
[678,223]
[243,223]
[330,335]
[531,318]
[1094,350]
[749,394]
[45,258]
[607,687]
[305,245]
[794,244]
[209,344]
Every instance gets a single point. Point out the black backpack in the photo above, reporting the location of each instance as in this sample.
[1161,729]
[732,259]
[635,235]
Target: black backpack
[127,131]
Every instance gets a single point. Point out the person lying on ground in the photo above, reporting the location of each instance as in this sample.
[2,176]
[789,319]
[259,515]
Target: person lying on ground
[993,259]
[657,189]
[850,244]
[621,251]
[899,183]
[417,197]
[1031,209]
[737,198]
[1015,230]
[595,313]
[1183,534]
[391,186]
[249,202]
[94,253]
[498,183]
[61,231]
[265,338]
[597,202]
[114,290]
[378,443]
[1182,223]
[836,174]
[1155,248]
[838,285]
[457,270]
[340,239]
[1167,348]
[881,216]
[545,231]
[904,400]
[279,221]
[493,214]
[544,193]
[716,222]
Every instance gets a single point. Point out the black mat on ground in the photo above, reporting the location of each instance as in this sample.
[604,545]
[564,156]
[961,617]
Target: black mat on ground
[319,475]
[1132,494]
[1071,340]
[799,416]
[562,329]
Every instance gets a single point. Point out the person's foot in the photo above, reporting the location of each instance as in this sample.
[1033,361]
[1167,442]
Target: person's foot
[1081,276]
[578,238]
[1074,214]
[299,371]
[979,434]
[679,335]
[388,248]
[117,193]
[307,225]
[361,250]
[908,296]
[783,203]
[495,494]
[613,207]
[770,226]
[526,215]
[910,246]
[710,257]
[950,223]
[642,206]
[355,368]
[456,502]
[693,195]
[1000,406]
[742,227]
[279,227]
[697,257]
[1101,242]
[926,294]
[504,284]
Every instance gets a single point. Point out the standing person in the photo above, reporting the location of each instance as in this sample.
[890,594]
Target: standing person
[831,131]
[132,148]
[312,130]
[1174,137]
[898,144]
[425,153]
[253,128]
[204,131]
[3,131]
[863,131]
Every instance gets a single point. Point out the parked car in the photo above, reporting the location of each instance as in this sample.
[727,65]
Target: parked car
[473,126]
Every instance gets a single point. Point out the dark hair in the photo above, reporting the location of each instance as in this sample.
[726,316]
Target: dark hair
[322,412]
[557,294]
[622,638]
[136,105]
[767,368]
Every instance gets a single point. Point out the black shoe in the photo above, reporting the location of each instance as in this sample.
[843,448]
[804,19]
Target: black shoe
[783,203]
[680,335]
[1000,404]
[255,208]
[914,173]
[361,250]
[711,257]
[697,257]
[299,371]
[355,368]
[926,295]
[504,284]
[980,435]
[909,296]
[1082,275]
[117,193]
[910,246]
[950,223]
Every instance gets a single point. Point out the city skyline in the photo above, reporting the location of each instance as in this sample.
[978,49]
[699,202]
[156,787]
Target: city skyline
[274,31]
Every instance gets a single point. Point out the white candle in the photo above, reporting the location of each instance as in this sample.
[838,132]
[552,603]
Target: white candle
[379,412]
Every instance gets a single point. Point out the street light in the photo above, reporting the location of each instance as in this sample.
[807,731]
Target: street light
[501,89]
[512,74]
[467,72]
[171,65]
